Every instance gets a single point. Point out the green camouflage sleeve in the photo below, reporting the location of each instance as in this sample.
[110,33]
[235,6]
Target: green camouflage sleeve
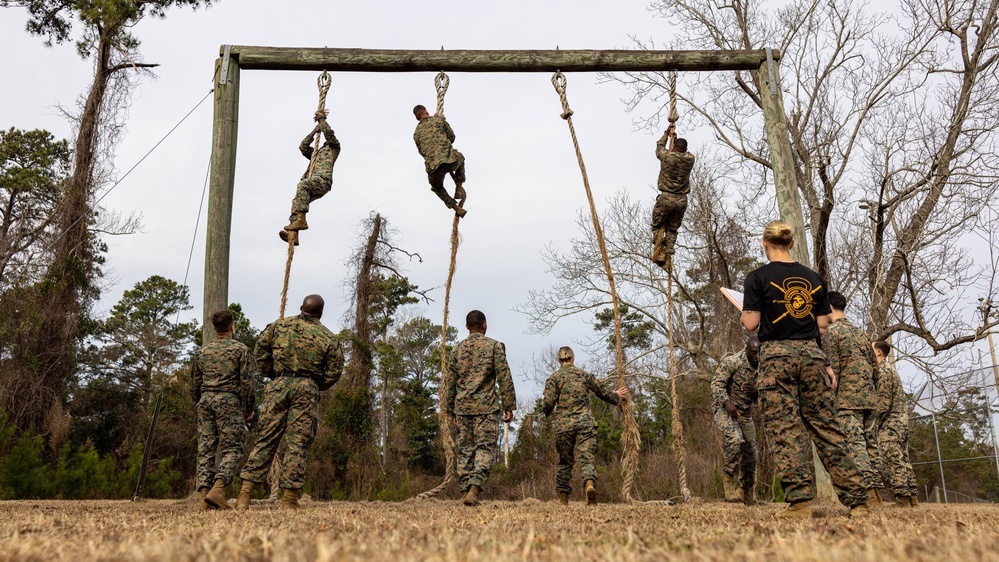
[719,380]
[550,396]
[334,367]
[305,147]
[448,130]
[601,391]
[247,380]
[262,352]
[886,392]
[839,351]
[508,396]
[450,385]
[662,149]
[196,378]
[330,136]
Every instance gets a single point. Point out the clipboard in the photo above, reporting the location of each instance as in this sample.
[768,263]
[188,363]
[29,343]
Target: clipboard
[733,296]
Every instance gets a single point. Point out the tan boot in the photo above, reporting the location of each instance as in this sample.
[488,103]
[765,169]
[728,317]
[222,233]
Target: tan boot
[216,496]
[591,493]
[731,488]
[875,500]
[797,510]
[913,501]
[289,499]
[459,194]
[902,501]
[472,497]
[297,222]
[243,501]
[858,511]
[283,234]
[203,505]
[658,249]
[459,211]
[563,498]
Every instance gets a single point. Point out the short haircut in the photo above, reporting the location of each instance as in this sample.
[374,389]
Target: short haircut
[475,319]
[418,110]
[565,353]
[222,320]
[883,346]
[680,145]
[837,301]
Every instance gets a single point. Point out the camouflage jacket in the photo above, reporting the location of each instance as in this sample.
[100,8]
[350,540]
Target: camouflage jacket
[433,138]
[328,152]
[300,346]
[853,362]
[674,168]
[891,397]
[567,393]
[726,383]
[476,365]
[224,365]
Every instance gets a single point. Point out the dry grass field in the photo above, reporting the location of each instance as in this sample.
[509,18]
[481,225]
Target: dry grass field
[497,530]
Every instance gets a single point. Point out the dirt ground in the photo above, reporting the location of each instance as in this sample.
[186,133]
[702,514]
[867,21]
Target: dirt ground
[527,530]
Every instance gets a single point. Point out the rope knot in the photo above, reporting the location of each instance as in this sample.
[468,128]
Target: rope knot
[559,82]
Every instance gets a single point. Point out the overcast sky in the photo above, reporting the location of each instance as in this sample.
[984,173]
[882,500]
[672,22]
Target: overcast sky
[523,182]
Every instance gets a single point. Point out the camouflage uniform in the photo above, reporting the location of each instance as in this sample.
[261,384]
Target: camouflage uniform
[854,363]
[433,137]
[475,367]
[797,404]
[319,183]
[674,183]
[733,371]
[222,379]
[893,432]
[567,393]
[301,356]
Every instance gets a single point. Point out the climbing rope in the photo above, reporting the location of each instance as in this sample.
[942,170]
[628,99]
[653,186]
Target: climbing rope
[631,439]
[441,82]
[323,83]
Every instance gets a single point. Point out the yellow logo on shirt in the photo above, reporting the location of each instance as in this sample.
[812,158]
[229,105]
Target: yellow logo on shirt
[797,297]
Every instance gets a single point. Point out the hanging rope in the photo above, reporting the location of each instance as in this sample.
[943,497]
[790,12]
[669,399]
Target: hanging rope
[442,82]
[631,439]
[323,83]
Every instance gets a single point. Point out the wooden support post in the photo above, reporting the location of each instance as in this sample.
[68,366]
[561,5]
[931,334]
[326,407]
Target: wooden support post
[220,191]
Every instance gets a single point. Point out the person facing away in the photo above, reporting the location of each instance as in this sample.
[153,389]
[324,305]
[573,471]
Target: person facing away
[301,357]
[733,392]
[789,304]
[567,395]
[317,182]
[671,204]
[476,367]
[854,363]
[434,138]
[893,430]
[223,374]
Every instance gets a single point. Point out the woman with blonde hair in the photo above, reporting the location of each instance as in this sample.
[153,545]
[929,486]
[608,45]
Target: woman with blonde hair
[789,304]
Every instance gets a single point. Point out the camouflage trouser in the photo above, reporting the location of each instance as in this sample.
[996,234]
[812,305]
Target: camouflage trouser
[740,446]
[477,436]
[436,177]
[893,437]
[290,411]
[860,427]
[797,403]
[309,190]
[578,444]
[667,214]
[220,429]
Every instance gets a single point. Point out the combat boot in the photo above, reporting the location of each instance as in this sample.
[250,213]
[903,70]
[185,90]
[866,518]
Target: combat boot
[459,194]
[902,501]
[913,501]
[284,236]
[749,496]
[216,496]
[458,210]
[297,222]
[591,493]
[563,498]
[204,505]
[472,497]
[731,488]
[289,500]
[875,500]
[243,501]
[797,510]
[858,511]
[658,249]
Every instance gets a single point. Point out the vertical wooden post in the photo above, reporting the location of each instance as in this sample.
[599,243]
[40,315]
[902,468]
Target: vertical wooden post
[224,127]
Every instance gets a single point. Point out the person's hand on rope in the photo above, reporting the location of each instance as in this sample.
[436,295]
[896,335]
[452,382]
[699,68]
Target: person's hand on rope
[507,416]
[671,130]
[622,392]
[733,412]
[319,117]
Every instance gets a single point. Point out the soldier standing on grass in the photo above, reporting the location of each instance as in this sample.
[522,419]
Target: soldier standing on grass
[674,185]
[301,357]
[789,303]
[433,137]
[854,363]
[476,366]
[733,391]
[567,394]
[222,378]
[315,182]
[893,430]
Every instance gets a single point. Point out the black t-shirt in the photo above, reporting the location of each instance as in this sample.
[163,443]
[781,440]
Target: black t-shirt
[788,297]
